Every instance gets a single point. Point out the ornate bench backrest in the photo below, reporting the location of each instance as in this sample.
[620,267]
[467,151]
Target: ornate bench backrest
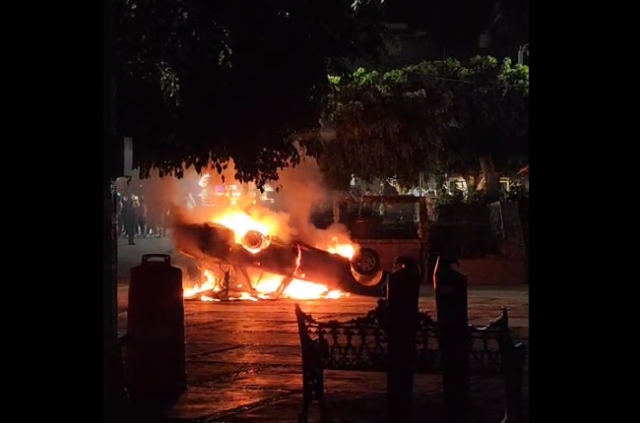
[427,346]
[361,343]
[355,344]
[486,344]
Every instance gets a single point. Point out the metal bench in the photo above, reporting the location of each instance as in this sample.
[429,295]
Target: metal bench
[360,344]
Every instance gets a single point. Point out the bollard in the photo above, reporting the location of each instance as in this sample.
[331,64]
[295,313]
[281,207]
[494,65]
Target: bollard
[451,304]
[403,291]
[155,363]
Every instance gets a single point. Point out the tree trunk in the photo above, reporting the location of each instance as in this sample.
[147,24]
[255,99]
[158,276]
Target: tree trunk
[424,234]
[491,179]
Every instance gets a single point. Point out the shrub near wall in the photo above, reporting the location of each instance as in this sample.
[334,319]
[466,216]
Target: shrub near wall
[463,229]
[463,239]
[463,212]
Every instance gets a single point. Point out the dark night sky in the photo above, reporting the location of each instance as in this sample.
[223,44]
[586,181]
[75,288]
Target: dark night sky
[453,24]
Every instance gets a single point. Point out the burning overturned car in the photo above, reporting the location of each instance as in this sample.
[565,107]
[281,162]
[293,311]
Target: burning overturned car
[238,258]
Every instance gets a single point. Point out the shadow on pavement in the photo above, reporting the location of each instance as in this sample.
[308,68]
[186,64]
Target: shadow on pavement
[351,406]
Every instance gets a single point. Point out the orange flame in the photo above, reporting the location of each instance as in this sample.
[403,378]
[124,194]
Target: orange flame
[344,250]
[241,223]
[210,284]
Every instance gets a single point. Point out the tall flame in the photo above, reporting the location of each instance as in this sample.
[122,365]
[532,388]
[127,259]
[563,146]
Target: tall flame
[241,223]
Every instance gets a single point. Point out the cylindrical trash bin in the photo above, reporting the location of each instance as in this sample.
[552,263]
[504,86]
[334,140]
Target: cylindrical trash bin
[155,356]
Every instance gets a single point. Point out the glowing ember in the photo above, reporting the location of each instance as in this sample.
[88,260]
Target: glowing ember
[297,289]
[303,290]
[265,287]
[246,296]
[335,294]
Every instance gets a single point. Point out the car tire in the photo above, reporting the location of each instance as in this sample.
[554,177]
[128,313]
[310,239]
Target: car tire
[367,262]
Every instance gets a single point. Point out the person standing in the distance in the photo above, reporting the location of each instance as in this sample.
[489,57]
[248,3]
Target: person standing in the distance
[165,216]
[135,205]
[142,217]
[129,220]
[154,210]
[119,215]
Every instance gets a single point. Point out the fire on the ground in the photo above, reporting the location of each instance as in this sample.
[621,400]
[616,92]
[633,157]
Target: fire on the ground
[242,277]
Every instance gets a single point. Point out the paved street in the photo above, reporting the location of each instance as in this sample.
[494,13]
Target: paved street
[244,359]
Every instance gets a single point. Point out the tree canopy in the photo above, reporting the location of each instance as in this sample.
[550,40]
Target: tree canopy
[433,117]
[200,80]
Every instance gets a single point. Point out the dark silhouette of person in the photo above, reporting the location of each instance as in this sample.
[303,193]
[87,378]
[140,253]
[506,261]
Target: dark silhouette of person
[142,217]
[129,220]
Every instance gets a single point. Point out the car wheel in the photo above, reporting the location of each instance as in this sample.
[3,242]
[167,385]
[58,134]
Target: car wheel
[366,262]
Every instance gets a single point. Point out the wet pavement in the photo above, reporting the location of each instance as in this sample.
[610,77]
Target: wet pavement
[243,361]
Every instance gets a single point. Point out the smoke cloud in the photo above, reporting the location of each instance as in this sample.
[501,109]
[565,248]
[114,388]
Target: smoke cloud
[301,193]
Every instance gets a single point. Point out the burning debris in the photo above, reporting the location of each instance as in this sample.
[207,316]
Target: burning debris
[240,258]
[216,288]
